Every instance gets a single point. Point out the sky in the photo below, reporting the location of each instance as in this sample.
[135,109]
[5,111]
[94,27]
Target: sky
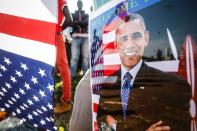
[72,4]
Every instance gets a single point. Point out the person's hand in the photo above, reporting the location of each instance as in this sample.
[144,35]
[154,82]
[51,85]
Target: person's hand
[110,120]
[158,127]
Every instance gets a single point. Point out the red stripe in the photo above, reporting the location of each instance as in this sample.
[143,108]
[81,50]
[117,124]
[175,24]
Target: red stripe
[111,70]
[95,126]
[28,28]
[109,48]
[95,107]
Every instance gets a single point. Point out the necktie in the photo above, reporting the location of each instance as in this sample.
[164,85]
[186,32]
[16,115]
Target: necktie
[125,91]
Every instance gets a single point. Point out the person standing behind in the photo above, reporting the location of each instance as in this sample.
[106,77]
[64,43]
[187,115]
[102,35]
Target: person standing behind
[64,17]
[80,40]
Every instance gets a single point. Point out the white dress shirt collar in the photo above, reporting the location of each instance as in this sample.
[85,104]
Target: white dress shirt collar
[133,71]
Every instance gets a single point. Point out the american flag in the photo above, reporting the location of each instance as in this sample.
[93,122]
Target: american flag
[104,62]
[27,58]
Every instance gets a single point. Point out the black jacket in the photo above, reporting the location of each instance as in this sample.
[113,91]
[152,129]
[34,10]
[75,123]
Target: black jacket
[155,96]
[80,25]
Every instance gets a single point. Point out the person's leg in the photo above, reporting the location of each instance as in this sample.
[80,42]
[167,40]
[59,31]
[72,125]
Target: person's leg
[63,67]
[85,55]
[75,51]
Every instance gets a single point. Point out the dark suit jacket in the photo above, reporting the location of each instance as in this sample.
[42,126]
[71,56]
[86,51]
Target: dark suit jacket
[155,96]
[80,25]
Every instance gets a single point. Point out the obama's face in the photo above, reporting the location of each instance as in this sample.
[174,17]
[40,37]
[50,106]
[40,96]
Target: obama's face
[131,39]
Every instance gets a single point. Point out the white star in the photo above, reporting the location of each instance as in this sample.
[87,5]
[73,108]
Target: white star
[48,119]
[25,105]
[3,68]
[7,105]
[30,102]
[42,72]
[13,113]
[34,80]
[35,113]
[24,66]
[24,120]
[18,73]
[52,119]
[27,86]
[13,99]
[30,117]
[18,111]
[39,111]
[42,93]
[21,91]
[3,89]
[7,61]
[42,122]
[35,98]
[35,125]
[44,108]
[13,79]
[50,106]
[16,95]
[55,127]
[50,87]
[23,108]
[8,85]
[1,93]
[9,101]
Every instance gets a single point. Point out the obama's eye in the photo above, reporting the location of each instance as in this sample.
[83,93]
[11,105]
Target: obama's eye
[123,39]
[136,36]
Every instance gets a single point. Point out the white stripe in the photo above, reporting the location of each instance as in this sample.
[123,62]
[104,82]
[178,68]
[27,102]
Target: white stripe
[28,48]
[109,37]
[95,98]
[98,55]
[167,66]
[98,67]
[94,117]
[111,59]
[192,66]
[110,79]
[44,10]
[105,79]
[187,62]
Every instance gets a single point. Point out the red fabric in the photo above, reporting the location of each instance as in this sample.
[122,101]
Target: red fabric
[62,64]
[25,28]
[61,4]
[61,59]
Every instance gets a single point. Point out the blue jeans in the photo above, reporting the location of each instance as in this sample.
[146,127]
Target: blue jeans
[77,44]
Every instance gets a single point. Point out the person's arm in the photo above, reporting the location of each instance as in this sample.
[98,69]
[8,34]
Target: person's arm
[68,18]
[158,127]
[112,123]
